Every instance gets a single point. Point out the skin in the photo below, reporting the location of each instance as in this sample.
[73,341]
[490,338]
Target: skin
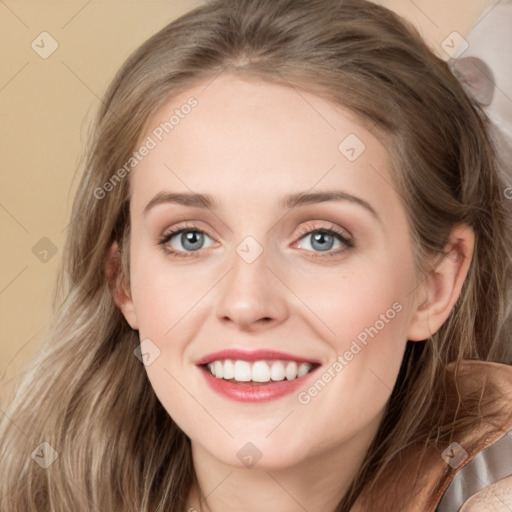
[248,143]
[496,497]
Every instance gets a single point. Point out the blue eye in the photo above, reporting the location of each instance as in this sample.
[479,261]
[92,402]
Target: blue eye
[192,239]
[322,240]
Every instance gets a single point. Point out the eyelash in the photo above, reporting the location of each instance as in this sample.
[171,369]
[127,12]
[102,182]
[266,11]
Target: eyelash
[306,230]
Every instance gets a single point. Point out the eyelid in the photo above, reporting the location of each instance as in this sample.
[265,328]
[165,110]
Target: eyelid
[342,232]
[172,232]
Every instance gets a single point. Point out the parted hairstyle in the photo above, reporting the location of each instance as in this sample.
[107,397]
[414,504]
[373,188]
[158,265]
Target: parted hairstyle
[88,396]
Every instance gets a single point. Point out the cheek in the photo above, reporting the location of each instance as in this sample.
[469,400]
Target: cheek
[364,304]
[165,292]
[367,314]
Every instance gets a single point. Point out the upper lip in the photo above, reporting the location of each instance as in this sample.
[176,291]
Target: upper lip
[253,355]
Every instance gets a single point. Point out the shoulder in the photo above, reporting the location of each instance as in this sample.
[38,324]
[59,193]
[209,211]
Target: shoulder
[485,480]
[484,475]
[492,380]
[496,497]
[475,468]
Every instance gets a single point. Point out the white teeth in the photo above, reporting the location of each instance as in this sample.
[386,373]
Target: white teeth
[258,371]
[229,369]
[242,371]
[303,369]
[218,369]
[291,370]
[277,371]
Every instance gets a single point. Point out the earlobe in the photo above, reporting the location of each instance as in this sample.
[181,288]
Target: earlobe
[441,288]
[119,287]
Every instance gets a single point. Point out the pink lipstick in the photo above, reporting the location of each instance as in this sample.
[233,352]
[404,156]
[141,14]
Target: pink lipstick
[255,376]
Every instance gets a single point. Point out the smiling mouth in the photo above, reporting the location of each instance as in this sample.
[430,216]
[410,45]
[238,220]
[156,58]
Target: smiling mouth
[258,372]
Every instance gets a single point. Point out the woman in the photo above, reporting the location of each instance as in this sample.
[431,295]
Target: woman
[250,363]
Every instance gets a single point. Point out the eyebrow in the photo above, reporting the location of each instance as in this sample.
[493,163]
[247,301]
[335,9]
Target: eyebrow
[290,201]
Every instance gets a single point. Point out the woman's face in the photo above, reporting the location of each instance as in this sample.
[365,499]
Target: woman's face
[254,272]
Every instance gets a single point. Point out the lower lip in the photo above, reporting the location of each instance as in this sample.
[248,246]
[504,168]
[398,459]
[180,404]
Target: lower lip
[254,392]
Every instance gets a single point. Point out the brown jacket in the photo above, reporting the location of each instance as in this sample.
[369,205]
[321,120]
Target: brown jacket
[463,473]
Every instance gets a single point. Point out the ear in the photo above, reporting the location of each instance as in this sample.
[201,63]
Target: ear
[119,286]
[440,289]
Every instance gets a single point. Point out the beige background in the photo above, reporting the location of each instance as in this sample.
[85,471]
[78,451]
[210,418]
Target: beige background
[46,106]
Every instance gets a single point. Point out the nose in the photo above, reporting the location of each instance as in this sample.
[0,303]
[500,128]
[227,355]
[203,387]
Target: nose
[253,296]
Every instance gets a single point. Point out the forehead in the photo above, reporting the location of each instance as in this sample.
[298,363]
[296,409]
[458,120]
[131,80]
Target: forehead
[246,134]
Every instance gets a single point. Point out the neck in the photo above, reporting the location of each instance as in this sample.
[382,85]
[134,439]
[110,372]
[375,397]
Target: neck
[317,482]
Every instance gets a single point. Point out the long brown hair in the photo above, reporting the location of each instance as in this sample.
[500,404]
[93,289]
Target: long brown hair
[89,398]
